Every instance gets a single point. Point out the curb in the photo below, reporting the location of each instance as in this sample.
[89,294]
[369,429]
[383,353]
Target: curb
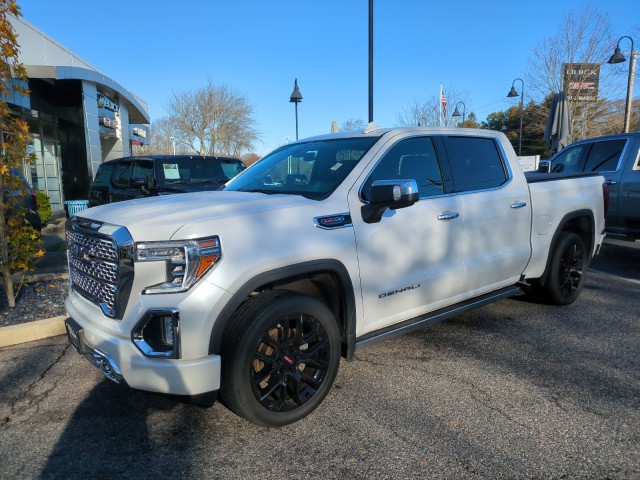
[32,331]
[36,329]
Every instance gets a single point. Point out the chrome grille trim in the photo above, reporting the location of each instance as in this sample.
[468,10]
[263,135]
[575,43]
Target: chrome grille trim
[100,259]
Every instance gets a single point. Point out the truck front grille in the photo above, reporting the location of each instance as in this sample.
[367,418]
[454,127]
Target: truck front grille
[100,258]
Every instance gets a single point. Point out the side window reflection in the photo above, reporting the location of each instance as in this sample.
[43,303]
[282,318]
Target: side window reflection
[413,158]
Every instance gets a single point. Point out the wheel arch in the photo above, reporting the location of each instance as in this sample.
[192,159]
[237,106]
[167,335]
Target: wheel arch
[581,222]
[327,280]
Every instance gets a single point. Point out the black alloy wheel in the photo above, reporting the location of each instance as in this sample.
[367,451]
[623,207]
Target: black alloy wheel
[290,362]
[568,268]
[280,358]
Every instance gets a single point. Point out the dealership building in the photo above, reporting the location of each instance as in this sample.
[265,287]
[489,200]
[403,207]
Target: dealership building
[78,117]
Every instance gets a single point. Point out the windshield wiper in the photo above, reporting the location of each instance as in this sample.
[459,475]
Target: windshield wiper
[177,182]
[208,180]
[260,190]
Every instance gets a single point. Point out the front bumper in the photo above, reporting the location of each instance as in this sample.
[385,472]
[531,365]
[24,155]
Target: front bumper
[120,361]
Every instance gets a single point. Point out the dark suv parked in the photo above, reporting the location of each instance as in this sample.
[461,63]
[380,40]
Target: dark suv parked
[617,158]
[134,177]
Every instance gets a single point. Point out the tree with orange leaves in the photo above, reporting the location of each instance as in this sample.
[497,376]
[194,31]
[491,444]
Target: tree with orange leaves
[19,242]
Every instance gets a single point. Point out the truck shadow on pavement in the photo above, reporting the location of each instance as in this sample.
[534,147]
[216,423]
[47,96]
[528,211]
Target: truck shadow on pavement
[118,432]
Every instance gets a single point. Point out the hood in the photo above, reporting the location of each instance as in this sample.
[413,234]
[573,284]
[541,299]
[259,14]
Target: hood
[158,218]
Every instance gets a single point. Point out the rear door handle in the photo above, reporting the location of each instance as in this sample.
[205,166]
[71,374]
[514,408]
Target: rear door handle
[448,216]
[518,204]
[610,182]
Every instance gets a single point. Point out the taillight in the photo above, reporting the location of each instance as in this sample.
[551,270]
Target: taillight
[605,196]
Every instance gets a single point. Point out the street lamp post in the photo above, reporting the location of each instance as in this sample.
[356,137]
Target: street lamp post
[618,57]
[173,143]
[296,98]
[370,61]
[514,93]
[456,112]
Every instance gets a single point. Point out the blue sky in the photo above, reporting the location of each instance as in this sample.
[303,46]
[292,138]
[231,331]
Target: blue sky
[259,47]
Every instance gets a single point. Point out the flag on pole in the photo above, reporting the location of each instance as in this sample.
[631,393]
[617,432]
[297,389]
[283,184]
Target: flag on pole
[443,106]
[443,102]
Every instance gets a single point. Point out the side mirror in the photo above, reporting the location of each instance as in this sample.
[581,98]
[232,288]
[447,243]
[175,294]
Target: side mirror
[544,166]
[392,194]
[138,182]
[146,184]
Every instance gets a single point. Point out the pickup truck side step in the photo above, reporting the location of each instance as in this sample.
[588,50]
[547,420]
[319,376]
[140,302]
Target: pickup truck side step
[436,316]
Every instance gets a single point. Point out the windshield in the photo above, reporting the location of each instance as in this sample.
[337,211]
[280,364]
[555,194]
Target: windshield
[198,170]
[311,169]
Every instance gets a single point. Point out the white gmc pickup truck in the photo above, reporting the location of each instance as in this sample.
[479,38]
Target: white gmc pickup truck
[323,246]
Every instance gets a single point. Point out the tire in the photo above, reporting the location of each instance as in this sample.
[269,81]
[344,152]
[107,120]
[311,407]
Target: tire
[280,357]
[567,270]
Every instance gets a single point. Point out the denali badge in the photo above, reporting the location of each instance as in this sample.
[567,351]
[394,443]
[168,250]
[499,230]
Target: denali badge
[400,290]
[329,222]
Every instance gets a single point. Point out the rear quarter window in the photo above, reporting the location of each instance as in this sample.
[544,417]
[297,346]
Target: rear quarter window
[476,163]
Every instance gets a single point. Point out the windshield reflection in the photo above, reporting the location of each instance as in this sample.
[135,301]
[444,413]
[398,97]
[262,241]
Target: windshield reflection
[312,169]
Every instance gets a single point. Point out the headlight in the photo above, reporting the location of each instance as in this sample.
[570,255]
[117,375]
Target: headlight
[186,260]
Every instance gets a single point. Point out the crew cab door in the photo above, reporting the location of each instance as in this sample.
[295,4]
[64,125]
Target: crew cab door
[496,212]
[630,186]
[605,157]
[411,261]
[99,190]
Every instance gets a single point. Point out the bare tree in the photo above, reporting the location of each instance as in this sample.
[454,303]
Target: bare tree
[353,125]
[582,38]
[213,120]
[427,112]
[163,140]
[420,112]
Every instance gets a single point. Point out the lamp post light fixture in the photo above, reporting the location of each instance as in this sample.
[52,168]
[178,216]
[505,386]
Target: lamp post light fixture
[296,98]
[513,93]
[456,112]
[618,57]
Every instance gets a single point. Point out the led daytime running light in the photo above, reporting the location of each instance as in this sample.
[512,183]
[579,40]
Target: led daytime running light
[187,261]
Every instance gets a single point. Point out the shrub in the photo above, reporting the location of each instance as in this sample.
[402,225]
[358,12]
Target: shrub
[44,206]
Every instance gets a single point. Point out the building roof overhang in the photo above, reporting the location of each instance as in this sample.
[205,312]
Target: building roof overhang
[137,112]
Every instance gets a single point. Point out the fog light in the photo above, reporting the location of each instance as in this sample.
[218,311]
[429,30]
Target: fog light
[157,334]
[168,330]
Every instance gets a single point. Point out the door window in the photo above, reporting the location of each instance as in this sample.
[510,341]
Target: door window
[104,175]
[142,168]
[475,162]
[567,160]
[604,156]
[413,158]
[123,173]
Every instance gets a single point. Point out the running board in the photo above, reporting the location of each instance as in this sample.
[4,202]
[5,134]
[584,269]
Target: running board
[436,316]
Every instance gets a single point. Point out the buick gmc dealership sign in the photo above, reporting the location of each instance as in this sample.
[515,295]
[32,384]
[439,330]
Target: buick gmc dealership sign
[581,81]
[108,111]
[106,102]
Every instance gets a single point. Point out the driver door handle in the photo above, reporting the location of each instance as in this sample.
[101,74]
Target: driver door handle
[518,204]
[448,216]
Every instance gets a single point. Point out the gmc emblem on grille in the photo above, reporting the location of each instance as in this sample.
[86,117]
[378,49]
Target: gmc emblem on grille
[84,254]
